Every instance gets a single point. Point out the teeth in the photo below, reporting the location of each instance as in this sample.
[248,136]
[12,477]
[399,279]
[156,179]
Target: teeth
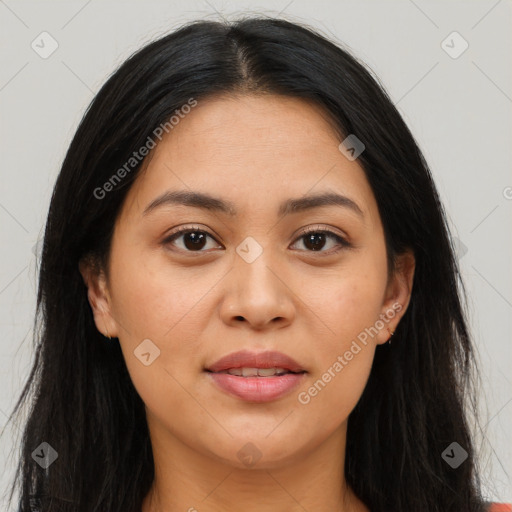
[256,372]
[266,372]
[235,371]
[250,372]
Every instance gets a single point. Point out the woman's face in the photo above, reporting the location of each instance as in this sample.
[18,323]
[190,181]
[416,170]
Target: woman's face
[246,277]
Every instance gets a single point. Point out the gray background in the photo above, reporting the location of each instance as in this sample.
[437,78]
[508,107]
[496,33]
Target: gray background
[459,109]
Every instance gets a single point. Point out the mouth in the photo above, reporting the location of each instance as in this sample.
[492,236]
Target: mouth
[253,362]
[256,377]
[257,372]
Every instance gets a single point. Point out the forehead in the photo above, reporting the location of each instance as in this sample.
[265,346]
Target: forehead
[255,151]
[249,126]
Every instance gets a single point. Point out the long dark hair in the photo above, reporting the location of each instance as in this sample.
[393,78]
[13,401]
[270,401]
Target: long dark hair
[82,401]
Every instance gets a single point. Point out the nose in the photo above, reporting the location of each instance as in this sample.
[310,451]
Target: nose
[257,293]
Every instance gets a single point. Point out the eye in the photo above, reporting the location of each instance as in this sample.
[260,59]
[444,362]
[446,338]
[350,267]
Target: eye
[194,239]
[315,240]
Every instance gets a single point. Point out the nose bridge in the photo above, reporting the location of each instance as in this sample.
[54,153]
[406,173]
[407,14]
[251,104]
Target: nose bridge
[257,265]
[256,291]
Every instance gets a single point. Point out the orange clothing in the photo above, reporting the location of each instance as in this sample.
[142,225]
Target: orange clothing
[501,507]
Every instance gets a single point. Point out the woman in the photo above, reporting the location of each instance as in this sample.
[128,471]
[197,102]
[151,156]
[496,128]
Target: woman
[248,294]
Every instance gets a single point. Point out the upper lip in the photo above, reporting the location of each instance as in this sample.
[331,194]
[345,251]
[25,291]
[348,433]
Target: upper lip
[247,359]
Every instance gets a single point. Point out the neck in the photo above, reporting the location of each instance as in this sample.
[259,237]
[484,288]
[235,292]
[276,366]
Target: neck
[189,481]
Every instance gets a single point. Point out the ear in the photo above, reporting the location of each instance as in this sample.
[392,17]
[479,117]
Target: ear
[398,295]
[98,296]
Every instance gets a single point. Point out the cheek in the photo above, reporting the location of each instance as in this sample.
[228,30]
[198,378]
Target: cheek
[334,392]
[350,301]
[356,306]
[350,304]
[344,360]
[153,299]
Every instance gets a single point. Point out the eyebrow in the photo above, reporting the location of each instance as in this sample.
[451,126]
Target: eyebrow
[208,202]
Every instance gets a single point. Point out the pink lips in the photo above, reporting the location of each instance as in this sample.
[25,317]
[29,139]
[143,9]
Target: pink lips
[256,389]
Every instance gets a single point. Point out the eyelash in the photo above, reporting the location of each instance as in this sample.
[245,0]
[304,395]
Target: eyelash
[342,242]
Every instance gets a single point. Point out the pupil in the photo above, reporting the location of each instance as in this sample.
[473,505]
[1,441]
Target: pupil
[315,244]
[196,238]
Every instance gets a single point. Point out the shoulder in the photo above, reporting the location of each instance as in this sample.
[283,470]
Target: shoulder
[500,507]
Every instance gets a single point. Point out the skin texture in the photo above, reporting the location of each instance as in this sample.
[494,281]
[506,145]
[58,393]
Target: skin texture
[255,151]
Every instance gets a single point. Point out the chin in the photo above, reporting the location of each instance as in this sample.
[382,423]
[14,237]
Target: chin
[258,452]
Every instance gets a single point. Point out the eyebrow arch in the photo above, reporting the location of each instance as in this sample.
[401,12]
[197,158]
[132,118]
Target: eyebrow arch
[208,202]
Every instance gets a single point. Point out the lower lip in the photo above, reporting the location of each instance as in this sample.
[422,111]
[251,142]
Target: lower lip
[257,389]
